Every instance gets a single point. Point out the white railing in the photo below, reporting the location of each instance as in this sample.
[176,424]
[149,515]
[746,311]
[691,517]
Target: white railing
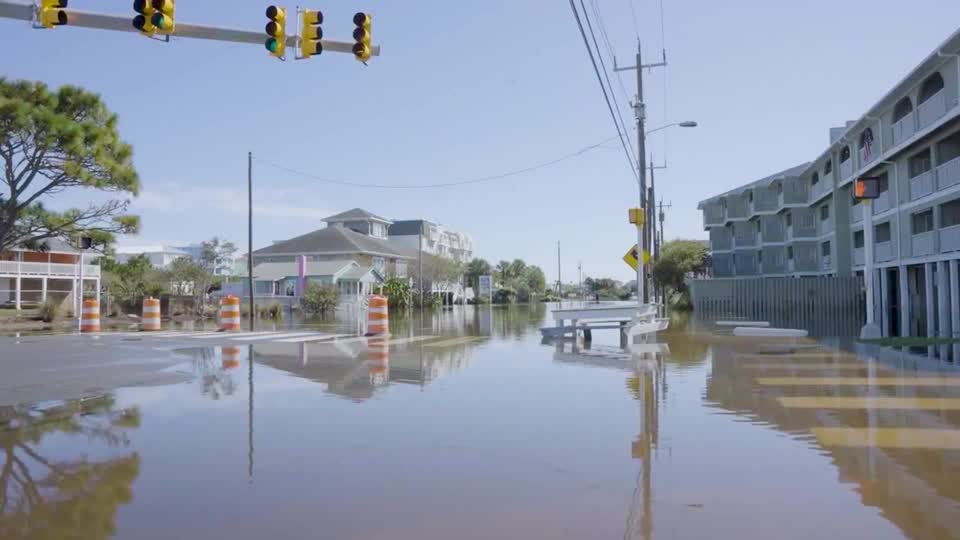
[858,257]
[867,157]
[47,269]
[931,109]
[818,189]
[949,238]
[948,174]
[794,192]
[846,169]
[713,215]
[883,251]
[790,265]
[904,128]
[825,226]
[747,239]
[737,207]
[826,263]
[720,240]
[921,185]
[881,204]
[922,244]
[764,200]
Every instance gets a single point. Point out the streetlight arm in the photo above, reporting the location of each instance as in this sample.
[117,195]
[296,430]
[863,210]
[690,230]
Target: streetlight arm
[681,124]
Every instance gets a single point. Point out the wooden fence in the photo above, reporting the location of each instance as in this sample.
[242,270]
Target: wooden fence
[825,306]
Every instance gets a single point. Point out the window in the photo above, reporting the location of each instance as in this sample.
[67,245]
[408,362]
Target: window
[789,219]
[948,149]
[825,212]
[815,179]
[883,184]
[401,267]
[919,163]
[922,221]
[790,253]
[378,264]
[931,86]
[950,213]
[902,109]
[858,239]
[828,168]
[881,233]
[844,154]
[825,249]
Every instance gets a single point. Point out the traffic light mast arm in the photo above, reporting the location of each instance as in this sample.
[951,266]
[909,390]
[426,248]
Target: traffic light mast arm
[86,19]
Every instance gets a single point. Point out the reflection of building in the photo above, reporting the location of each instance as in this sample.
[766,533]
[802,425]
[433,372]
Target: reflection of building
[915,489]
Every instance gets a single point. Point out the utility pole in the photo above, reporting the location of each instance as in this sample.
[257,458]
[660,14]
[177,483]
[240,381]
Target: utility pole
[643,295]
[250,234]
[661,217]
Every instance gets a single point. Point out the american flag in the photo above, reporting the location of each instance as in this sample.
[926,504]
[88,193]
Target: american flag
[868,144]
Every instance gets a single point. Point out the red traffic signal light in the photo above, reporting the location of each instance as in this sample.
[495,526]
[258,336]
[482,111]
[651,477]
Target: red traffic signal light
[867,187]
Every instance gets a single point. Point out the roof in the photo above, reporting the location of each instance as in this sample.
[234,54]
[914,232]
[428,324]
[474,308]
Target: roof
[338,240]
[136,250]
[355,214]
[407,227]
[358,272]
[55,245]
[275,271]
[792,172]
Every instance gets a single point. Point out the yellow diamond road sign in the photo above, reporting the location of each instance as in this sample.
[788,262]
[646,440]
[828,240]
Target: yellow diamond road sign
[631,257]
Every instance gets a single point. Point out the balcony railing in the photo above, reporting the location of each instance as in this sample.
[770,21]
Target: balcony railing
[773,231]
[720,241]
[764,200]
[794,192]
[856,213]
[883,251]
[33,269]
[923,244]
[745,239]
[846,169]
[904,128]
[817,190]
[737,208]
[948,174]
[858,257]
[824,226]
[949,238]
[921,185]
[881,204]
[867,154]
[826,263]
[712,215]
[931,109]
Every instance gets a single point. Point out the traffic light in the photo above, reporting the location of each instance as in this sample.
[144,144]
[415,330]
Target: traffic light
[361,49]
[52,13]
[311,33]
[162,17]
[867,187]
[143,21]
[277,30]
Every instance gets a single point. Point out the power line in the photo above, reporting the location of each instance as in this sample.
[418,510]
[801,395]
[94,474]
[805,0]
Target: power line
[630,160]
[481,179]
[606,76]
[636,27]
[606,39]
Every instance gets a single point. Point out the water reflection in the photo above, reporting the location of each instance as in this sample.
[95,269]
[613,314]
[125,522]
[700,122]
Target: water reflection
[43,496]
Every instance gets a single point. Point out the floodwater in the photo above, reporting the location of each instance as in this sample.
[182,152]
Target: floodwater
[480,431]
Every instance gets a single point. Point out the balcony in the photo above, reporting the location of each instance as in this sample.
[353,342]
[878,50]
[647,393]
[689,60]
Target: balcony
[794,193]
[858,257]
[745,239]
[931,109]
[738,207]
[805,257]
[867,154]
[804,224]
[824,226]
[846,169]
[904,128]
[55,270]
[712,215]
[921,185]
[765,200]
[746,264]
[721,239]
[949,239]
[856,213]
[774,230]
[883,252]
[826,263]
[723,266]
[881,204]
[948,174]
[819,189]
[923,244]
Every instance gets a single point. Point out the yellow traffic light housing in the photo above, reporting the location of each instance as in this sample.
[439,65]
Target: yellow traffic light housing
[276,29]
[362,50]
[52,13]
[311,33]
[163,16]
[143,21]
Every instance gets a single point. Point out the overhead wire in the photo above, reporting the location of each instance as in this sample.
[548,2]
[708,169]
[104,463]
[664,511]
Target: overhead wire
[633,11]
[606,39]
[632,162]
[478,180]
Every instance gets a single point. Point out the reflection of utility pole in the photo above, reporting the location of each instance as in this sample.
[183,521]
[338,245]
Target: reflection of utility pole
[650,388]
[250,415]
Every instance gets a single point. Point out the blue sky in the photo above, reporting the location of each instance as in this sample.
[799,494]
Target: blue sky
[466,90]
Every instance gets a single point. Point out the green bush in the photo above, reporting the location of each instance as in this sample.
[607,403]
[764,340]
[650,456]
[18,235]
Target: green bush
[398,293]
[504,295]
[50,311]
[320,298]
[273,311]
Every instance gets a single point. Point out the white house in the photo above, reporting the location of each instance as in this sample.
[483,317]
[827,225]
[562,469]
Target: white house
[160,256]
[31,277]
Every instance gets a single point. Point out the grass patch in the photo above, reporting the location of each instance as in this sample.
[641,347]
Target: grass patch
[911,341]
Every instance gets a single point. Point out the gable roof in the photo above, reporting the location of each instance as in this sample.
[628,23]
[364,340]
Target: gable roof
[275,271]
[792,172]
[334,240]
[355,214]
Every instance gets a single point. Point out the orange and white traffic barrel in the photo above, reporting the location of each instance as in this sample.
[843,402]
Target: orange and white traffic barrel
[90,316]
[378,358]
[230,357]
[151,314]
[378,319]
[230,313]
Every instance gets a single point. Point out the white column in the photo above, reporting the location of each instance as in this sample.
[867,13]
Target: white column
[867,210]
[904,301]
[43,289]
[98,291]
[885,302]
[943,299]
[18,284]
[930,298]
[954,298]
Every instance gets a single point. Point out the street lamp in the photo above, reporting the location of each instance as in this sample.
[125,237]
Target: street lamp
[686,124]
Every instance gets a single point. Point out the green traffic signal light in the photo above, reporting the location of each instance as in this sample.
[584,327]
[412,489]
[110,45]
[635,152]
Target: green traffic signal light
[271,45]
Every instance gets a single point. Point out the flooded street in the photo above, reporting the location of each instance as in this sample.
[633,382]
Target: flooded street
[464,425]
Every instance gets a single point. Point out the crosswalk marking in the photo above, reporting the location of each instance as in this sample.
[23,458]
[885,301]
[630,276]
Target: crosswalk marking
[207,335]
[313,337]
[274,335]
[879,402]
[452,342]
[859,381]
[903,438]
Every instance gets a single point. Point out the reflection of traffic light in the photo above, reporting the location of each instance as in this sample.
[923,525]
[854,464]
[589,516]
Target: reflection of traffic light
[142,22]
[163,16]
[311,33]
[361,49]
[52,13]
[277,30]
